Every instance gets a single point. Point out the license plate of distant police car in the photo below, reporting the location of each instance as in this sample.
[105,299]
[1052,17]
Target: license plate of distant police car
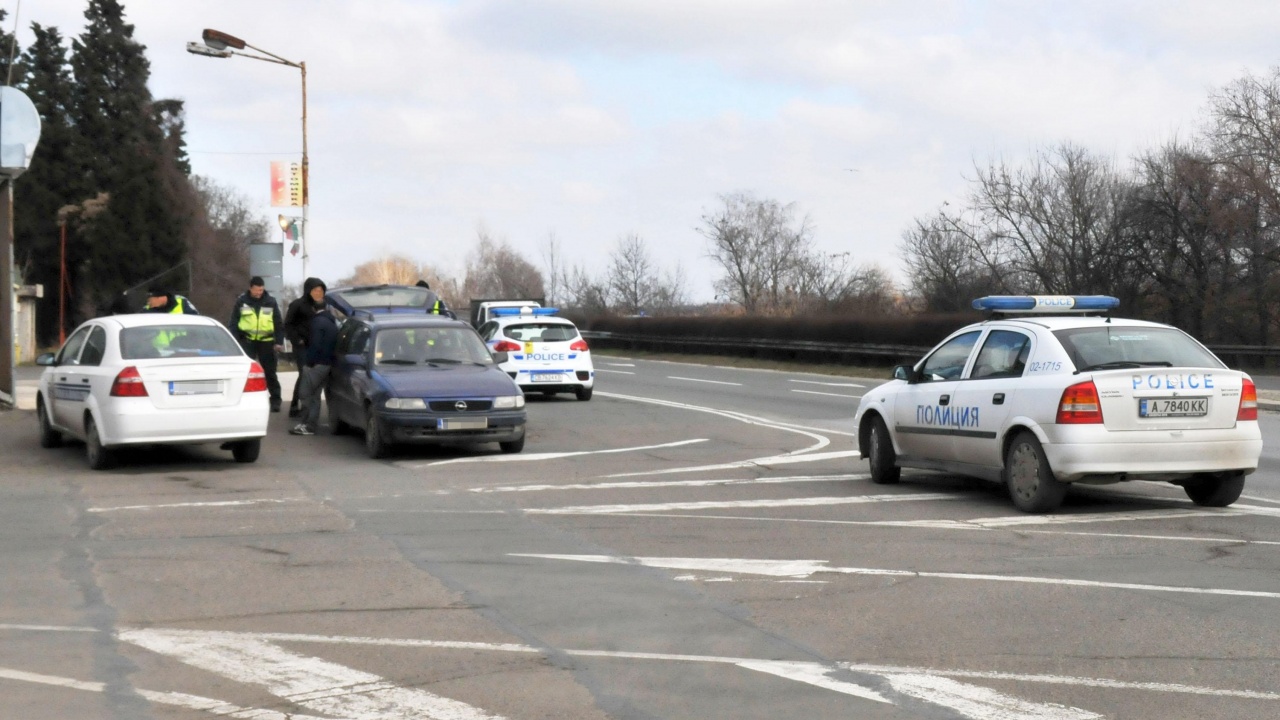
[1173,407]
[468,424]
[544,377]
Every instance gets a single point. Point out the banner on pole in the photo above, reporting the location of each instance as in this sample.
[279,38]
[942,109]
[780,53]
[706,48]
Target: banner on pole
[286,184]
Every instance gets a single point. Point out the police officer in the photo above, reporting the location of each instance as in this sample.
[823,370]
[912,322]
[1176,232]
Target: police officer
[160,300]
[435,306]
[256,323]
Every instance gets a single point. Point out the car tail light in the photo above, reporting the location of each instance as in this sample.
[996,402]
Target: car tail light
[579,345]
[506,346]
[128,384]
[1248,401]
[257,380]
[1080,405]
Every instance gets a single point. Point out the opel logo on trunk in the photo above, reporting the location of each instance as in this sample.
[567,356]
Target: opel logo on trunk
[460,405]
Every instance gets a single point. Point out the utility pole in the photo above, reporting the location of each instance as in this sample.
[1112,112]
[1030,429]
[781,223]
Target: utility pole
[8,391]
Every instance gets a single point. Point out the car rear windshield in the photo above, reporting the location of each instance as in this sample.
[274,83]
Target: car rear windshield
[164,341]
[1117,346]
[541,332]
[406,297]
[429,346]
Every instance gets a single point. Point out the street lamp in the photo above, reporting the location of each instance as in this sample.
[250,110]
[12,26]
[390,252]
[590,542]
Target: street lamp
[221,45]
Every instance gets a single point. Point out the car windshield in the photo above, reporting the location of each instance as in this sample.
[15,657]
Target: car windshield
[429,345]
[1117,346]
[407,297]
[165,341]
[541,332]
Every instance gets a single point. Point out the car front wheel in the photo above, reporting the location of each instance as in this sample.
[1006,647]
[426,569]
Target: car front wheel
[1031,483]
[881,456]
[49,438]
[100,458]
[375,440]
[1215,491]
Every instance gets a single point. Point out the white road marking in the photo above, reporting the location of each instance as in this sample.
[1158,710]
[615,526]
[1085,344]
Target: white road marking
[710,504]
[980,702]
[828,384]
[639,484]
[615,372]
[1012,521]
[815,392]
[621,364]
[772,461]
[318,685]
[713,382]
[807,672]
[1255,498]
[215,503]
[191,702]
[530,457]
[1064,680]
[805,568]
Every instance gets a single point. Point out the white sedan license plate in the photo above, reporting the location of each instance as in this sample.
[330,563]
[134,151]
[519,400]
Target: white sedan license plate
[1173,407]
[545,377]
[468,424]
[199,387]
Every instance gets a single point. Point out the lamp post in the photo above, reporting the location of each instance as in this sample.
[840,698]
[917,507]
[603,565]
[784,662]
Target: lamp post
[221,45]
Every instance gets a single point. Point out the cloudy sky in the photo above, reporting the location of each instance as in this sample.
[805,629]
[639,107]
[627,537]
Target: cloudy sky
[591,119]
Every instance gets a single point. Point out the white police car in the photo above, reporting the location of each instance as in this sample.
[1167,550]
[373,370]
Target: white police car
[545,353]
[1041,396]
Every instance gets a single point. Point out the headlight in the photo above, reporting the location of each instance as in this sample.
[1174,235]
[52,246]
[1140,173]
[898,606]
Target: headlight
[406,404]
[508,401]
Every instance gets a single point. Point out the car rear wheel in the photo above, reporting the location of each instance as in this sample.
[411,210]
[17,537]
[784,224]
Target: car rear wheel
[246,451]
[1031,483]
[583,393]
[100,458]
[1214,490]
[49,438]
[880,453]
[375,440]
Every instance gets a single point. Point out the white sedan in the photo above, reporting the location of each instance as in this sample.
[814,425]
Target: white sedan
[1038,400]
[152,379]
[545,353]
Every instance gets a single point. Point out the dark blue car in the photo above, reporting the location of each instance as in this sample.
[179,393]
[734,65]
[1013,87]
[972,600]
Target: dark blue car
[412,377]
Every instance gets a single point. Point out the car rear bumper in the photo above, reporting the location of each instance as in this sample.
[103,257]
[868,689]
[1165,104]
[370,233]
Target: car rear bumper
[147,425]
[1096,455]
[425,428]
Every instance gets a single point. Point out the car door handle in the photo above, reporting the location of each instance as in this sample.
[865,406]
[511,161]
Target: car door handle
[998,399]
[84,380]
[944,400]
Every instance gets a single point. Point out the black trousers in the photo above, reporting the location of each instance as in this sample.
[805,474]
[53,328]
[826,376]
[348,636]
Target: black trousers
[265,354]
[299,353]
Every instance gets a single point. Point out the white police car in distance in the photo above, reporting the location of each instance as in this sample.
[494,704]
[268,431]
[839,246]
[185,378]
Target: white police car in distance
[1041,396]
[545,353]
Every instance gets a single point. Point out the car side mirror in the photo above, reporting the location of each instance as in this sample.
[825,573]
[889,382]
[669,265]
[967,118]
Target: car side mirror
[500,357]
[47,359]
[905,372]
[354,360]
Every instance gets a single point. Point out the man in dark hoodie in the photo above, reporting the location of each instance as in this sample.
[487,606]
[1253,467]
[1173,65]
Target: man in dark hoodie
[321,343]
[256,324]
[297,323]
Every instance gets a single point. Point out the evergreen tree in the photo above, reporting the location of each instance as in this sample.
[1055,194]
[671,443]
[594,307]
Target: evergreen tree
[8,49]
[54,180]
[126,154]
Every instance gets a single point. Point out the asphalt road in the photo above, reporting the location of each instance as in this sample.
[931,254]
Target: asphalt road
[695,542]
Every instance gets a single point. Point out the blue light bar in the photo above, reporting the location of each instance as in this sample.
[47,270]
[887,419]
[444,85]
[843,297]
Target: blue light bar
[525,310]
[1046,303]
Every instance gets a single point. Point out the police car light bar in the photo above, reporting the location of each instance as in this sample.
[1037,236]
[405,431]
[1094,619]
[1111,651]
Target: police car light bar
[525,310]
[1046,303]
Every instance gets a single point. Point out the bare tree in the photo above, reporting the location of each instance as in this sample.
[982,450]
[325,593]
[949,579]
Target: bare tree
[402,270]
[945,266]
[556,273]
[495,270]
[584,292]
[631,276]
[756,243]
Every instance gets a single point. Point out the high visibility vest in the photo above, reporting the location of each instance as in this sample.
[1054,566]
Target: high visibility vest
[435,309]
[258,325]
[165,337]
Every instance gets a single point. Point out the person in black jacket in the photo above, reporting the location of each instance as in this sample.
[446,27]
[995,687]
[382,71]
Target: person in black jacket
[321,345]
[160,300]
[256,324]
[297,323]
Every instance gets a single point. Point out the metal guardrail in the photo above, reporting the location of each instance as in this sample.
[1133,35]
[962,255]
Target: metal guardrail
[1239,355]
